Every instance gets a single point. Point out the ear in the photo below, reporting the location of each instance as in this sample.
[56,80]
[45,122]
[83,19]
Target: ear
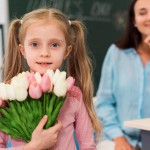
[68,50]
[21,48]
[135,25]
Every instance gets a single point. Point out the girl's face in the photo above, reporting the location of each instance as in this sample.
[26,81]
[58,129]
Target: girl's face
[142,17]
[44,46]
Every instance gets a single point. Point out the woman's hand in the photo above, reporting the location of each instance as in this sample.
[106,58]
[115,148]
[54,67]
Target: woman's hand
[147,40]
[43,138]
[122,144]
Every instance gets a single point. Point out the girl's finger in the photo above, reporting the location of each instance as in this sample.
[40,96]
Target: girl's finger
[2,103]
[56,127]
[42,123]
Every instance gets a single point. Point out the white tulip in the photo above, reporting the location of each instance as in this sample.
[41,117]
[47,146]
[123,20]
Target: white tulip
[62,75]
[10,92]
[38,77]
[21,93]
[60,87]
[20,80]
[50,73]
[3,93]
[56,76]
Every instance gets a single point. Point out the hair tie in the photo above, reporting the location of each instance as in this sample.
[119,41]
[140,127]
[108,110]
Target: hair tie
[69,22]
[21,21]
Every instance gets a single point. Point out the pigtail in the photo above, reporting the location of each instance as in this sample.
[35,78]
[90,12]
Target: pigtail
[79,66]
[13,57]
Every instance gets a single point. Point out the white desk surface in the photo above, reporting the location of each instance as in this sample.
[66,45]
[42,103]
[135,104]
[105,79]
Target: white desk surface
[143,124]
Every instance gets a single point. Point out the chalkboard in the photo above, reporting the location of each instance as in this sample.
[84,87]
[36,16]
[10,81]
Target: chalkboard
[105,21]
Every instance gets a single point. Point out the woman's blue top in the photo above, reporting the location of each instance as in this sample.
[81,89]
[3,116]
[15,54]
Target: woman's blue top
[123,93]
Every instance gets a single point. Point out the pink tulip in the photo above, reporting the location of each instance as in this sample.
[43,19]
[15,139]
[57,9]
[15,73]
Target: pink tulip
[45,83]
[35,90]
[70,82]
[30,77]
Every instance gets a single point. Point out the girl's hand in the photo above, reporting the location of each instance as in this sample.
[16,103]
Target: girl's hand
[41,138]
[147,40]
[2,103]
[122,144]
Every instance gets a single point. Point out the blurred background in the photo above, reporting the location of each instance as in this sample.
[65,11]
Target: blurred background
[105,21]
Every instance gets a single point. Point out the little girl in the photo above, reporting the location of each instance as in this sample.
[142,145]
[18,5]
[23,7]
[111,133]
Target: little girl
[45,38]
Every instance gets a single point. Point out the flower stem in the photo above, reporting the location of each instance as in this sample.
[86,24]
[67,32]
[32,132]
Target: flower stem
[56,111]
[49,111]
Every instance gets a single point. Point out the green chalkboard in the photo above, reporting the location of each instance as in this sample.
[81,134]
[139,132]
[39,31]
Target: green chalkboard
[104,19]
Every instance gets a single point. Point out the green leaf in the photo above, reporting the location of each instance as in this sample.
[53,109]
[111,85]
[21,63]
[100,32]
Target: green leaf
[49,110]
[20,119]
[56,112]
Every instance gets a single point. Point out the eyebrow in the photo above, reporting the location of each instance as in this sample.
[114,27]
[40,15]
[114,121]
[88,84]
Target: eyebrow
[32,39]
[50,40]
[142,9]
[56,39]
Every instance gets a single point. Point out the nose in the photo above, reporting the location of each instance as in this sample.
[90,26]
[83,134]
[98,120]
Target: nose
[45,52]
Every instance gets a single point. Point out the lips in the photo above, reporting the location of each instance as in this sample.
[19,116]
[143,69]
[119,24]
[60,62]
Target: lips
[44,63]
[147,25]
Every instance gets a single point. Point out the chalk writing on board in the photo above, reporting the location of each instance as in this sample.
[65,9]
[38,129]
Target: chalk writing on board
[92,10]
[96,11]
[119,20]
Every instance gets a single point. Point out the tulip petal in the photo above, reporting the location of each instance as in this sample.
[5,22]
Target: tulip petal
[45,83]
[35,90]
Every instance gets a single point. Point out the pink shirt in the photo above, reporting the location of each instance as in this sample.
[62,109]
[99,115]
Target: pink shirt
[73,116]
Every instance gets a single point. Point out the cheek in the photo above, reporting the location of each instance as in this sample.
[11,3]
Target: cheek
[59,60]
[59,55]
[29,58]
[139,20]
[30,54]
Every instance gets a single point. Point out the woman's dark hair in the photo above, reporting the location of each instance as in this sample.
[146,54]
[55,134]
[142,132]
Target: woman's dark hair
[132,36]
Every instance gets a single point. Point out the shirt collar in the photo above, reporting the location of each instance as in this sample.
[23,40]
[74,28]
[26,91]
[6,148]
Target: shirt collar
[131,50]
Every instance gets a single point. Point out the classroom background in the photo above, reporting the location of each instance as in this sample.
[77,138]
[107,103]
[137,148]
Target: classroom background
[105,21]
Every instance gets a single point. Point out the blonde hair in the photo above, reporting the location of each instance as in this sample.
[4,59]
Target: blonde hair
[78,62]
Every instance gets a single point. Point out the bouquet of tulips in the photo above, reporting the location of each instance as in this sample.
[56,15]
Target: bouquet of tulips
[30,96]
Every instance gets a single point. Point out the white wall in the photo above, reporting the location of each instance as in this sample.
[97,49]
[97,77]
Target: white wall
[4,14]
[4,20]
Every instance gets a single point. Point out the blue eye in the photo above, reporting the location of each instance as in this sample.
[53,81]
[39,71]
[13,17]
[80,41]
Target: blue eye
[55,44]
[34,44]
